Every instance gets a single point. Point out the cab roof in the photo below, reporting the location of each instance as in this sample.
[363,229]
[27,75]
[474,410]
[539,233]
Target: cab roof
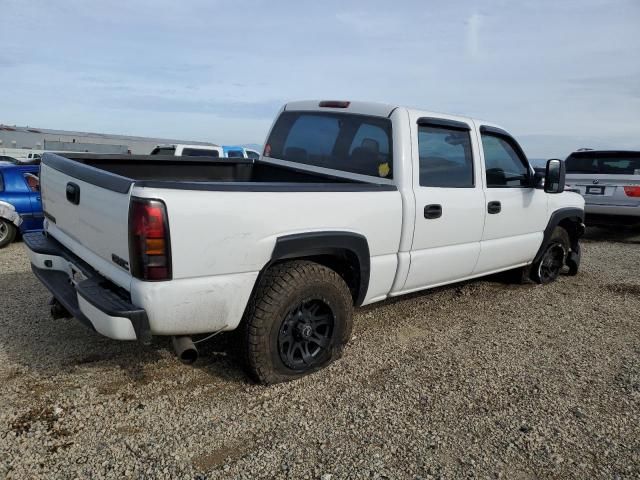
[373,109]
[357,107]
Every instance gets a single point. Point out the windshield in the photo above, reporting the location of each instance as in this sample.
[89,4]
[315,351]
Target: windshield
[351,143]
[604,163]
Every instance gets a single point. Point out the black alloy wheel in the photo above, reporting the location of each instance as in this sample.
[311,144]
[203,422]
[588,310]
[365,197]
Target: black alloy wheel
[305,334]
[551,263]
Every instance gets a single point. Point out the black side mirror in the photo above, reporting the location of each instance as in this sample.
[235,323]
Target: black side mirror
[554,177]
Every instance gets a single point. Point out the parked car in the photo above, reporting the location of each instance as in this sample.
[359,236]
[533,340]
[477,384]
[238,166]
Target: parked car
[610,183]
[33,158]
[181,150]
[252,154]
[234,151]
[240,152]
[5,159]
[20,203]
[351,203]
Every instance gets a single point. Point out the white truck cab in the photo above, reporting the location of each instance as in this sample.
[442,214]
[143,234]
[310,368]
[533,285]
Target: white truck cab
[350,203]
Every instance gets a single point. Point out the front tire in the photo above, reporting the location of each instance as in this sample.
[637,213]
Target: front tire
[7,232]
[548,268]
[297,322]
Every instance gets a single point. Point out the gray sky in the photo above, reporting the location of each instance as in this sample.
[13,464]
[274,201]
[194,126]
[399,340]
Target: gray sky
[558,74]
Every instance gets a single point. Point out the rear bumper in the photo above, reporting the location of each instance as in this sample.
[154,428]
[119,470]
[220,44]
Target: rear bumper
[87,295]
[612,215]
[622,210]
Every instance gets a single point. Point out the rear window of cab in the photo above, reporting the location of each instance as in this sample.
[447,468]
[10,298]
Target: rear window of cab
[351,143]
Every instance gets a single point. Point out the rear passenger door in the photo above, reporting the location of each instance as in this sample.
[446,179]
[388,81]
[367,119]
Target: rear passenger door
[449,203]
[516,212]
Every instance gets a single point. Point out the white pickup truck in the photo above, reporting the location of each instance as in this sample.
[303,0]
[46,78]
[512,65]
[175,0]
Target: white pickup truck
[351,203]
[179,150]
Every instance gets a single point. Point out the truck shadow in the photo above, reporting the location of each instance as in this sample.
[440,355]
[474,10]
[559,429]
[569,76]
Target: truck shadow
[33,342]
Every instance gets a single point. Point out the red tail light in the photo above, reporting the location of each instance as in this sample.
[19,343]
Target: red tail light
[632,191]
[149,248]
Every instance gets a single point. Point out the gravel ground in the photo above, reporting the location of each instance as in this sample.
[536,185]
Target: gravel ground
[482,379]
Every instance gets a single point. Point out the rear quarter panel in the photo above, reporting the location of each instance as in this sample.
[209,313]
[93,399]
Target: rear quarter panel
[222,233]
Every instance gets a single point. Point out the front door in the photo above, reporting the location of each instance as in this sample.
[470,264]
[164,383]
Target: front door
[516,212]
[449,203]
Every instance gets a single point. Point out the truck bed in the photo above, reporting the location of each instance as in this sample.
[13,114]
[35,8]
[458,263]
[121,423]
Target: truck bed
[197,173]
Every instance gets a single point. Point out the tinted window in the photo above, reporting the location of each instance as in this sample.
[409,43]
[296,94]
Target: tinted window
[199,152]
[504,166]
[352,143]
[164,151]
[235,154]
[1,183]
[446,159]
[603,163]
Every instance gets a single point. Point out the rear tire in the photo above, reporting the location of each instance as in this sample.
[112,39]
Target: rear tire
[298,322]
[553,260]
[7,232]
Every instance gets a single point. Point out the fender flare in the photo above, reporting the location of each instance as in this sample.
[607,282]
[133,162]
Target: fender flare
[9,213]
[576,216]
[334,243]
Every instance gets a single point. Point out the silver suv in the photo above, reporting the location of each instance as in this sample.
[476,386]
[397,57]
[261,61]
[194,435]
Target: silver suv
[609,181]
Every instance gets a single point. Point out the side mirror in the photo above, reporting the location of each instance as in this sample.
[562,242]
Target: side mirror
[554,177]
[538,177]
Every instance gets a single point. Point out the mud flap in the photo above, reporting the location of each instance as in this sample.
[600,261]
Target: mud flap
[573,260]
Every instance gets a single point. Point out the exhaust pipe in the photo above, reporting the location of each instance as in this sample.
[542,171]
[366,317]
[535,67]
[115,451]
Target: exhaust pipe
[185,349]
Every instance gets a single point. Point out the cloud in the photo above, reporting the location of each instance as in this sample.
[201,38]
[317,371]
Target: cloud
[619,85]
[474,23]
[370,23]
[224,67]
[222,108]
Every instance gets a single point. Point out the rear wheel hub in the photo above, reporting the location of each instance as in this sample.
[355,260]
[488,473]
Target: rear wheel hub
[305,334]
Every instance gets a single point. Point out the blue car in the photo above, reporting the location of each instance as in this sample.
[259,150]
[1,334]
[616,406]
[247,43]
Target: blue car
[233,151]
[20,201]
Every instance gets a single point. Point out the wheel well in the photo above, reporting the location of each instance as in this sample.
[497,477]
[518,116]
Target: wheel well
[573,227]
[344,262]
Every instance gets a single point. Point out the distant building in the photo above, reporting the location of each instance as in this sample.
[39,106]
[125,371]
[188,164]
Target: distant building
[61,140]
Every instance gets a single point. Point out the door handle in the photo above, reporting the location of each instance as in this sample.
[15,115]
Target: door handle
[494,207]
[73,193]
[432,211]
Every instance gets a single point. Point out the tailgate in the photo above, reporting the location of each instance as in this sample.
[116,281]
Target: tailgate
[88,212]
